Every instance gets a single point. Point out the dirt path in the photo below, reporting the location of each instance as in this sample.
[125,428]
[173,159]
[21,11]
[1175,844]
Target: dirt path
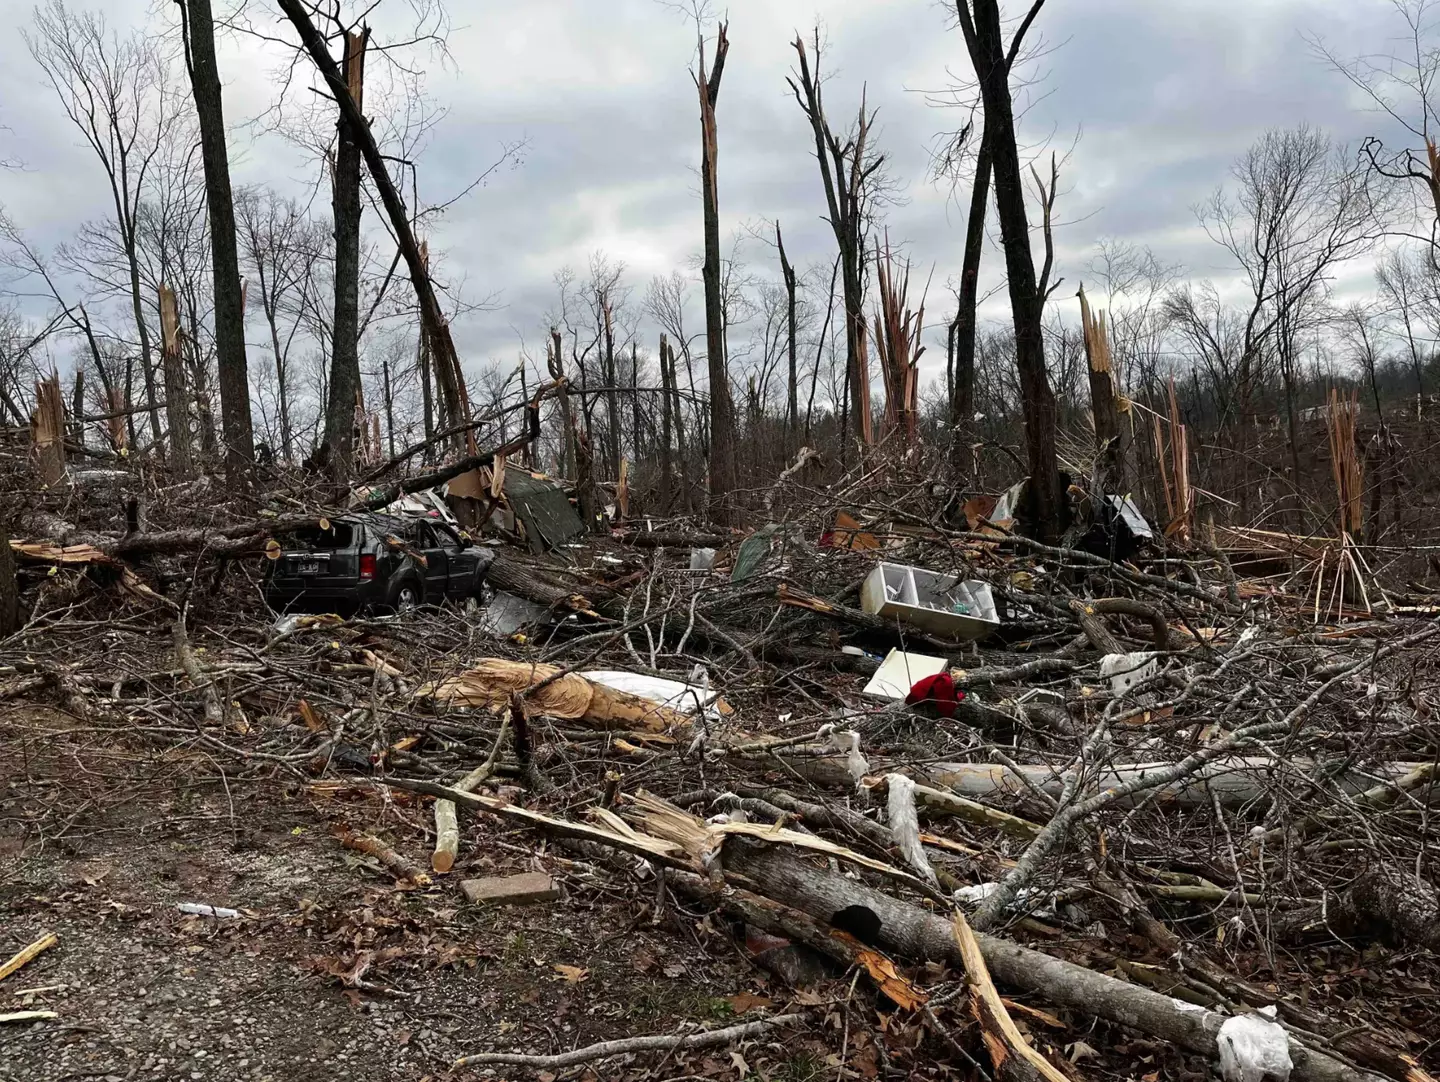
[99,844]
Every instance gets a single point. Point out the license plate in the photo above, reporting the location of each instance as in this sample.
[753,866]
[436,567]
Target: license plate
[308,567]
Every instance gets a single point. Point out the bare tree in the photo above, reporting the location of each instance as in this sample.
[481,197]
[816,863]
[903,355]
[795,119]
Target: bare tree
[1402,86]
[277,245]
[850,171]
[345,199]
[1405,283]
[961,334]
[1300,208]
[115,92]
[980,22]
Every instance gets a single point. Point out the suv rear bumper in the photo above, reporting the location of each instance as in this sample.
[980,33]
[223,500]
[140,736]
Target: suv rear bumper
[298,594]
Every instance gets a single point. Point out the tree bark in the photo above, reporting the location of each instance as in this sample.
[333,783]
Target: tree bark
[612,398]
[229,313]
[555,362]
[723,479]
[962,401]
[345,327]
[1046,508]
[9,588]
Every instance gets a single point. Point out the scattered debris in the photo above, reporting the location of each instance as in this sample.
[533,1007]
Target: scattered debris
[1253,1047]
[199,909]
[900,672]
[944,605]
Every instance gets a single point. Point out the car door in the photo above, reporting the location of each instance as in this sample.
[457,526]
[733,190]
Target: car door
[463,560]
[437,562]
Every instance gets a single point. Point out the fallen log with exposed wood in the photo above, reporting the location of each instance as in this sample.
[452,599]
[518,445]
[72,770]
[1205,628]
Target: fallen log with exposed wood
[555,588]
[1236,781]
[780,873]
[552,691]
[912,933]
[400,865]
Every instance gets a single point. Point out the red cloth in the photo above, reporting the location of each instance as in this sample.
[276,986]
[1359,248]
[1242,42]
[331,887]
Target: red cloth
[937,692]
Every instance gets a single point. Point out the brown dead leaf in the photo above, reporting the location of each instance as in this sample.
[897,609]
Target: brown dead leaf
[738,1062]
[866,1062]
[749,1001]
[572,974]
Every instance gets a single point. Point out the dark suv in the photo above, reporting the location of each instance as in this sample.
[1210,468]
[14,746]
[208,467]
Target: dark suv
[376,562]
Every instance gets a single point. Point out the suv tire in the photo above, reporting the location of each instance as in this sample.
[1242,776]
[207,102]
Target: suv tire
[406,594]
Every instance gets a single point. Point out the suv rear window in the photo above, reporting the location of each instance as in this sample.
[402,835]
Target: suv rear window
[313,539]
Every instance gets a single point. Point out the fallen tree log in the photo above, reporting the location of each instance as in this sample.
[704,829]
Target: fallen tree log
[880,920]
[913,933]
[491,681]
[553,587]
[1236,781]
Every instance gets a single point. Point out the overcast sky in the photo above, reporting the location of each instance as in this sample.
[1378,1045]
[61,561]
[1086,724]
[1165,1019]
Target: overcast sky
[1155,98]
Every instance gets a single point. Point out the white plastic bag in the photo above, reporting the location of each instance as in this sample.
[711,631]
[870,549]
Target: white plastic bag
[1253,1047]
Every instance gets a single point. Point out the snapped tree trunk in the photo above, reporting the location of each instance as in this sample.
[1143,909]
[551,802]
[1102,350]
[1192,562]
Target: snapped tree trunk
[1045,505]
[1104,401]
[229,310]
[446,362]
[554,360]
[345,344]
[612,396]
[723,478]
[792,419]
[667,463]
[177,409]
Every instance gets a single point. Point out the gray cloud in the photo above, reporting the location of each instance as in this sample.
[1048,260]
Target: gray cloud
[1156,100]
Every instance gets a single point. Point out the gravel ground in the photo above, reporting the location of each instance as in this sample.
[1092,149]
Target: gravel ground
[99,847]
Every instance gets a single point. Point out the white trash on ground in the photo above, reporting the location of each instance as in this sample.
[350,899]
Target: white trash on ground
[1124,671]
[899,672]
[1253,1047]
[676,694]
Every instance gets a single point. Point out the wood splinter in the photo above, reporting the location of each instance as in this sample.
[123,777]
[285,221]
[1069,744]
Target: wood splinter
[401,866]
[29,954]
